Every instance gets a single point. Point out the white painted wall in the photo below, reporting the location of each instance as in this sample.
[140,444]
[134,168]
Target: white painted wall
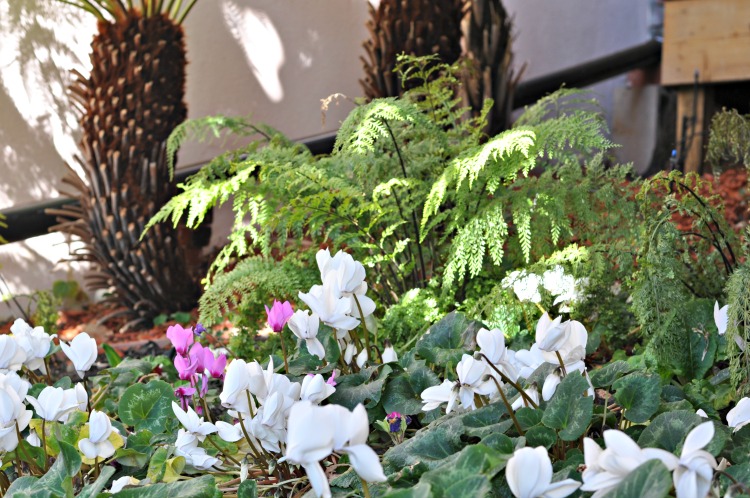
[272,59]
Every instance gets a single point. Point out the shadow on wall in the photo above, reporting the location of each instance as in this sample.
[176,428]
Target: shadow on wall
[41,42]
[275,61]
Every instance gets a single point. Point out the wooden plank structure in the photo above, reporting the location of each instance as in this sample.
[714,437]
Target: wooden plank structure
[705,42]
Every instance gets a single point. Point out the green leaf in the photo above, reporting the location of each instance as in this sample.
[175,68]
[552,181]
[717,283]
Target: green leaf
[147,406]
[528,417]
[113,357]
[199,487]
[668,430]
[363,387]
[569,411]
[445,342]
[541,436]
[638,395]
[160,319]
[468,475]
[248,489]
[157,465]
[58,479]
[650,480]
[139,367]
[605,376]
[402,392]
[92,490]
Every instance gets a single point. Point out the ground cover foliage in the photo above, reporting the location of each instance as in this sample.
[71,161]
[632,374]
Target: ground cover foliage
[488,316]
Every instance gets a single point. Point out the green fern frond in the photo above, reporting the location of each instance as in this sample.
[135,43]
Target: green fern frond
[255,278]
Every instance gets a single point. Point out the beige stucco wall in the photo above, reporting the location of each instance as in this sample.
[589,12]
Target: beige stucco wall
[272,59]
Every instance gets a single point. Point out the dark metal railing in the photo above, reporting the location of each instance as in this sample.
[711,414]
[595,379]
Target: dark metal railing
[31,221]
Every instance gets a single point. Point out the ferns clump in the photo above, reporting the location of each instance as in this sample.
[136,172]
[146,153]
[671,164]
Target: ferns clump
[417,192]
[684,263]
[738,329]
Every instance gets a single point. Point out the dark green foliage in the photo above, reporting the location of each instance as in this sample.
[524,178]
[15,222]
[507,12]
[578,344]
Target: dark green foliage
[684,261]
[417,193]
[738,328]
[729,140]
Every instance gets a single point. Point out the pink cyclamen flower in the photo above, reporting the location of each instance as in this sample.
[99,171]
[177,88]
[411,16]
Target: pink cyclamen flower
[197,355]
[181,338]
[184,393]
[214,365]
[279,314]
[185,368]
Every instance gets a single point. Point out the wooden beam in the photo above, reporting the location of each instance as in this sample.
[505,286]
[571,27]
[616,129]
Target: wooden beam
[708,36]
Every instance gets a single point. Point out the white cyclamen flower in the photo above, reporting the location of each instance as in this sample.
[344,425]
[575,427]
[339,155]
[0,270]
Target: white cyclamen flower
[330,305]
[119,484]
[53,403]
[315,389]
[228,432]
[316,431]
[492,345]
[550,334]
[721,317]
[192,422]
[12,412]
[195,456]
[572,348]
[434,396]
[695,471]
[12,356]
[75,395]
[389,354]
[82,351]
[605,469]
[305,326]
[349,353]
[472,380]
[527,361]
[520,402]
[97,445]
[362,358]
[739,416]
[529,475]
[35,343]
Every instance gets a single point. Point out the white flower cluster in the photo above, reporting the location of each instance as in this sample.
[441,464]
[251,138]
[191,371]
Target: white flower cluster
[559,343]
[282,416]
[340,302]
[529,470]
[566,288]
[28,347]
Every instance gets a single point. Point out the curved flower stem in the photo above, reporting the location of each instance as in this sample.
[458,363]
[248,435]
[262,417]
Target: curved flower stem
[4,483]
[227,456]
[99,395]
[541,308]
[44,444]
[283,351]
[206,410]
[367,332]
[88,394]
[256,453]
[562,363]
[365,489]
[32,464]
[507,380]
[508,407]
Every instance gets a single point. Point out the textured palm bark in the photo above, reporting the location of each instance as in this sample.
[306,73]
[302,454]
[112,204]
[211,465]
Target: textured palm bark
[129,105]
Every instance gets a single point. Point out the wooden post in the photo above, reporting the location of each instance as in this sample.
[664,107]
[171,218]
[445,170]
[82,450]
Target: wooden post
[691,129]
